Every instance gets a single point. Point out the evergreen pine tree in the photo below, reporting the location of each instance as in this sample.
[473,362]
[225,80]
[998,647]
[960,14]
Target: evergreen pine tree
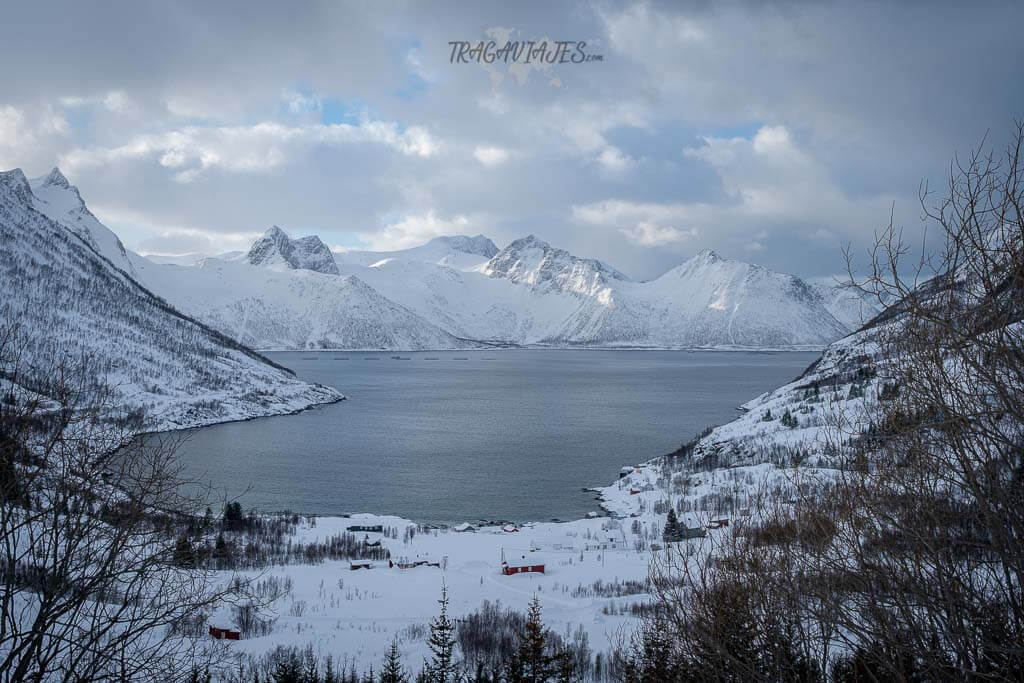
[393,672]
[537,665]
[673,532]
[184,555]
[287,669]
[441,668]
[311,669]
[330,675]
[565,666]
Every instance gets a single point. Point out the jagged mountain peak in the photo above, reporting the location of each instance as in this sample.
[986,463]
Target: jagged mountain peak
[530,240]
[275,233]
[57,179]
[56,185]
[532,261]
[708,255]
[306,253]
[16,182]
[707,260]
[55,197]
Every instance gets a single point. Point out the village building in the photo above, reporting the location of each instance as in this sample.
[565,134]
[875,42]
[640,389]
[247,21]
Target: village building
[224,634]
[518,562]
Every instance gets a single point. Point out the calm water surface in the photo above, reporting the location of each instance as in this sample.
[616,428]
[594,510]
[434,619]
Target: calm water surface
[452,436]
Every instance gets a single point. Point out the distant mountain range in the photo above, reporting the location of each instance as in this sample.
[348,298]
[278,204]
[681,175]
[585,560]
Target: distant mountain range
[72,299]
[461,292]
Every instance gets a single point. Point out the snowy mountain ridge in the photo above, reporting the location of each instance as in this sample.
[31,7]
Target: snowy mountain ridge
[534,262]
[460,291]
[59,200]
[68,298]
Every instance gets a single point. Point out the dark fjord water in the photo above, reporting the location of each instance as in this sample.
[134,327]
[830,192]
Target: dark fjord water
[452,436]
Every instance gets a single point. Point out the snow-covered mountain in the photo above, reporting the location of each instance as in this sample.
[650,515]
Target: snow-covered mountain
[454,292]
[306,253]
[457,251]
[71,297]
[53,196]
[278,307]
[536,263]
[715,301]
[532,293]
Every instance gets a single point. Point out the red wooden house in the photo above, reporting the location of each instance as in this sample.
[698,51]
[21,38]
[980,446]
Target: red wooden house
[224,634]
[521,564]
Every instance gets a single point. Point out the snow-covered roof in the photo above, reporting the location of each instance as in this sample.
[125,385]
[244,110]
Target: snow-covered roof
[524,558]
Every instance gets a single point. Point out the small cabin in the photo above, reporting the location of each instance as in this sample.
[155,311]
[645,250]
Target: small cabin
[522,564]
[464,527]
[360,564]
[224,634]
[373,529]
[510,529]
[718,523]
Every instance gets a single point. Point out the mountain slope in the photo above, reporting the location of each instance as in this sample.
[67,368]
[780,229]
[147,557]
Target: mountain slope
[714,301]
[281,308]
[59,200]
[531,293]
[69,302]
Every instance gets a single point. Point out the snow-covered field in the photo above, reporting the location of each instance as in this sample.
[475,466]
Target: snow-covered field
[355,614]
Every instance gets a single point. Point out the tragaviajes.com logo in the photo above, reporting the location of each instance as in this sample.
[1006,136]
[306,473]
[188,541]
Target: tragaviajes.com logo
[521,52]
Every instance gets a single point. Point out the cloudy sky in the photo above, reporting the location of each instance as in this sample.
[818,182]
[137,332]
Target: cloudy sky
[769,132]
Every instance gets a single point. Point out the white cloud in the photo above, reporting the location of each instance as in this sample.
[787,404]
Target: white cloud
[27,135]
[650,235]
[141,232]
[645,223]
[769,179]
[612,159]
[261,147]
[414,230]
[490,156]
[584,127]
[298,103]
[12,123]
[114,101]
